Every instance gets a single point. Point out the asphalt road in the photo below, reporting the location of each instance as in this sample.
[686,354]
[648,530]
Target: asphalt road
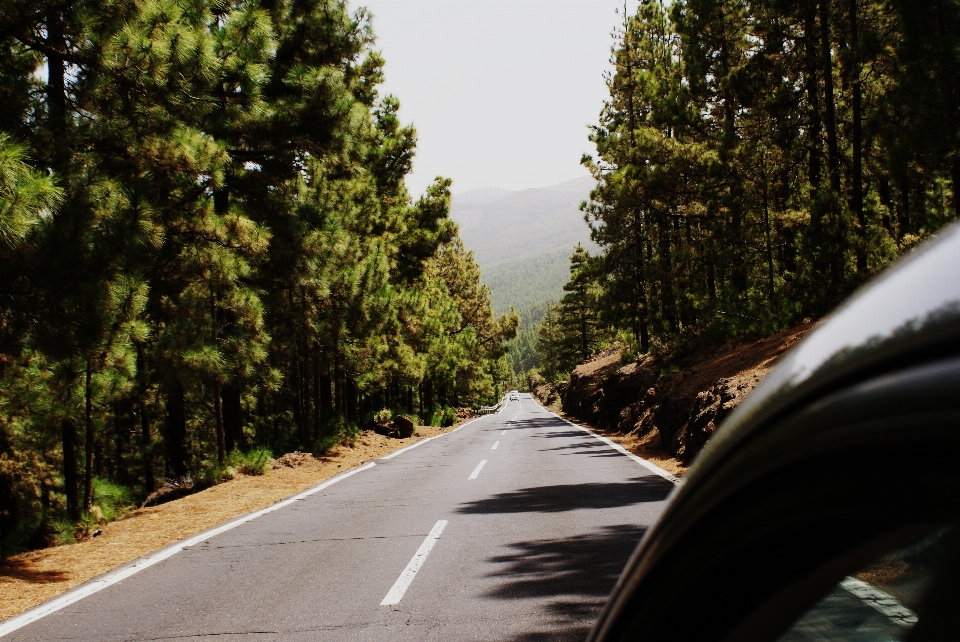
[428,545]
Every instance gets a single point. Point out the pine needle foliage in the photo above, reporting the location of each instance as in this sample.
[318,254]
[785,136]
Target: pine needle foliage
[207,248]
[758,160]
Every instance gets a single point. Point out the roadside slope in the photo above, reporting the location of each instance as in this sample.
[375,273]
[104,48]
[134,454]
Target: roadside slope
[666,408]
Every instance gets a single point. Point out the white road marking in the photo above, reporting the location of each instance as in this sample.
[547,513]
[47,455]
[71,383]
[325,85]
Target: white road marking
[85,590]
[503,432]
[476,471]
[881,601]
[406,578]
[495,444]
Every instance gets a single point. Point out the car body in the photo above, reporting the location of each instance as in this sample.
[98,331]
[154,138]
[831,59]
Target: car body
[514,395]
[844,459]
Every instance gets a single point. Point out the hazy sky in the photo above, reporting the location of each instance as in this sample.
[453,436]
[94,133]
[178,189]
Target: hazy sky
[500,91]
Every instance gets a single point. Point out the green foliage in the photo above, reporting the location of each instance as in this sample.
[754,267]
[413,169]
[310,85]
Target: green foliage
[254,462]
[341,432]
[570,331]
[758,161]
[63,532]
[529,283]
[207,248]
[213,473]
[443,417]
[382,416]
[448,418]
[25,194]
[112,499]
[669,369]
[110,502]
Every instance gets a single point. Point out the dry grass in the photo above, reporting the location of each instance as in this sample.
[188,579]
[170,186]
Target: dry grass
[28,579]
[885,572]
[738,360]
[601,361]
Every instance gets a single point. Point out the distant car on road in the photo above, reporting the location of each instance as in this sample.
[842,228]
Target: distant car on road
[514,395]
[827,506]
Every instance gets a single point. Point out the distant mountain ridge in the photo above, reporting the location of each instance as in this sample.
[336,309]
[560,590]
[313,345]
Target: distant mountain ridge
[522,239]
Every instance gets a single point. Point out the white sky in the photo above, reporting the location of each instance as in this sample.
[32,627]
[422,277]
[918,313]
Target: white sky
[500,91]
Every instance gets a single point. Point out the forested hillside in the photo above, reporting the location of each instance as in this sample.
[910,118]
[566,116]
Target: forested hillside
[756,162]
[206,246]
[523,241]
[529,281]
[500,226]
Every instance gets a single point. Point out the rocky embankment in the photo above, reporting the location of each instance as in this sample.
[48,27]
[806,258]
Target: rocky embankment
[679,398]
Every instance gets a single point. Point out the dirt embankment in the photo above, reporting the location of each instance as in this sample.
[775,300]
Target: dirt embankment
[30,578]
[666,408]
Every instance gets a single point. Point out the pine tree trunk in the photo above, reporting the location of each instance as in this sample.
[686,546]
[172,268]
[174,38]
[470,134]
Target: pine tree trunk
[903,216]
[666,272]
[810,46]
[176,432]
[68,436]
[232,417]
[149,483]
[116,469]
[766,222]
[294,378]
[303,393]
[326,396]
[88,425]
[317,398]
[218,417]
[584,342]
[357,401]
[711,279]
[338,387]
[833,154]
[56,96]
[642,318]
[857,169]
[955,178]
[145,438]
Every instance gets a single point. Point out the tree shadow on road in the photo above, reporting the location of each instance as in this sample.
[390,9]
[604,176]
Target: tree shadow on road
[577,572]
[589,447]
[566,497]
[527,424]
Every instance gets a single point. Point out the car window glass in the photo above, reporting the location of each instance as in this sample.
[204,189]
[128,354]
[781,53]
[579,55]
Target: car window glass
[877,604]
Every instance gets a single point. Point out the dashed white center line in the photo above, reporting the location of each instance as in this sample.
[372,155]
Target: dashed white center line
[495,444]
[406,578]
[476,471]
[504,432]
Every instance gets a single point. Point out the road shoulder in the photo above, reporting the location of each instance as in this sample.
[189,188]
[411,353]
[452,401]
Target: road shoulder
[31,578]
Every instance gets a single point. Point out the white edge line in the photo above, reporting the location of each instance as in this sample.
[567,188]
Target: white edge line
[640,460]
[93,586]
[880,600]
[423,441]
[476,471]
[395,594]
